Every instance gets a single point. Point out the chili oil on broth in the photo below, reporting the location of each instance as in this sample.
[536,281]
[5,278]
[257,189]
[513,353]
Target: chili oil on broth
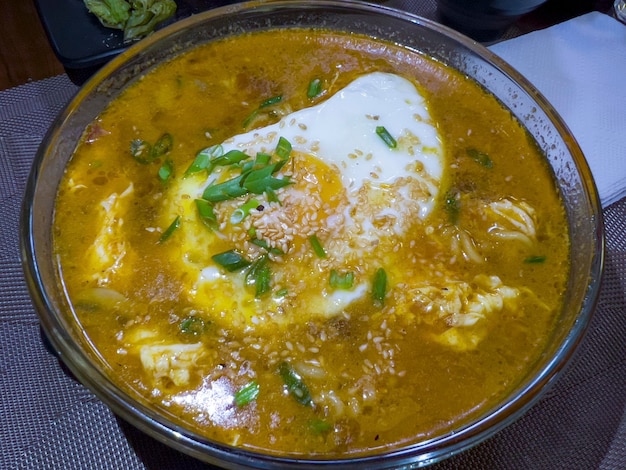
[472,288]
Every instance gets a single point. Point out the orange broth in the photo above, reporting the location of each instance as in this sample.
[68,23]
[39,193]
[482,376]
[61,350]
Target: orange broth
[374,376]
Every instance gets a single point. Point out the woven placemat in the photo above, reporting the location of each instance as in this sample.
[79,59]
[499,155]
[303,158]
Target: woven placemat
[50,421]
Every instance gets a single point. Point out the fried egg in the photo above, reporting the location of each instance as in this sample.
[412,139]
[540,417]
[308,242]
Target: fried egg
[352,189]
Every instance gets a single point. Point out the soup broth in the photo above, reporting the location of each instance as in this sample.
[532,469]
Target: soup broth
[232,274]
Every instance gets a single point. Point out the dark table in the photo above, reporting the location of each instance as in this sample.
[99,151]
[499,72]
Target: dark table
[50,421]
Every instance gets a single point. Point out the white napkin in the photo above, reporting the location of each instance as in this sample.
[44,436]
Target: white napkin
[580,67]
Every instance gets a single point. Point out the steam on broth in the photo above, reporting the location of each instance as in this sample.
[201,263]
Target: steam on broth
[310,243]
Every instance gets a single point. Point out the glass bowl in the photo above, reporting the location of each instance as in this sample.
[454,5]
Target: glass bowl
[570,169]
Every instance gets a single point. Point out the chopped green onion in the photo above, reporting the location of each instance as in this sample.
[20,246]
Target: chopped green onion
[283,148]
[268,184]
[248,393]
[282,292]
[281,163]
[259,275]
[265,171]
[224,191]
[231,260]
[145,153]
[141,151]
[248,166]
[162,146]
[262,159]
[452,206]
[214,151]
[379,286]
[535,259]
[258,181]
[263,244]
[319,426]
[343,281]
[271,101]
[480,157]
[314,89]
[271,195]
[384,134]
[265,104]
[259,174]
[238,215]
[214,156]
[317,246]
[251,117]
[229,158]
[295,385]
[203,159]
[251,180]
[166,170]
[263,280]
[242,212]
[170,230]
[206,213]
[193,326]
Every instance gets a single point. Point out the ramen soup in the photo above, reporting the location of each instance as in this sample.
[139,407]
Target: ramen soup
[311,244]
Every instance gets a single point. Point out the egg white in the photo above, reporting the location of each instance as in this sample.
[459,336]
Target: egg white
[341,131]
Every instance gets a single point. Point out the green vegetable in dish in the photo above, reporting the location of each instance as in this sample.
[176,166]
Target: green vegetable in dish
[192,326]
[137,18]
[480,157]
[339,280]
[247,394]
[295,385]
[314,89]
[231,260]
[379,287]
[170,230]
[111,13]
[318,248]
[384,134]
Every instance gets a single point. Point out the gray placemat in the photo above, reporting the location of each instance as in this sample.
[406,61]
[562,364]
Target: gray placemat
[50,421]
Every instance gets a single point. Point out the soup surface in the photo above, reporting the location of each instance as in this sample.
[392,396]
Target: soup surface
[309,243]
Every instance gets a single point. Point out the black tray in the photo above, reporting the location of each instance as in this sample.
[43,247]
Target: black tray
[83,45]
